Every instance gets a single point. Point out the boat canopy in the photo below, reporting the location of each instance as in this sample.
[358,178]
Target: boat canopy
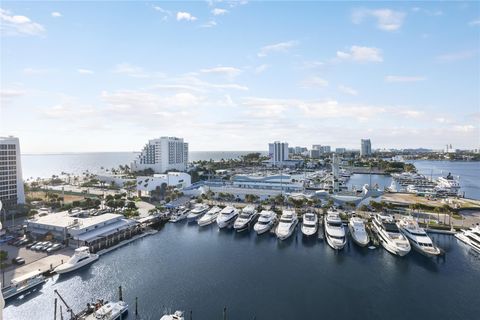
[26,276]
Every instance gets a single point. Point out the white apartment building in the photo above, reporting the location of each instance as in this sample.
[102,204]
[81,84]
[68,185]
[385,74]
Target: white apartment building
[365,148]
[147,184]
[278,152]
[163,154]
[322,149]
[11,181]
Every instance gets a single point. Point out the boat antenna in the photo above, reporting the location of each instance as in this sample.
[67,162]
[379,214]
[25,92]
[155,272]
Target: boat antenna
[55,310]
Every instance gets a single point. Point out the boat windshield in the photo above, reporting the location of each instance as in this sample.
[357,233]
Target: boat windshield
[286,220]
[263,223]
[390,227]
[244,215]
[335,224]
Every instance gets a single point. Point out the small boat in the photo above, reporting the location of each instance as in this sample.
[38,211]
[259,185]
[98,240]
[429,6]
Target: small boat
[390,236]
[178,315]
[209,217]
[80,258]
[309,224]
[470,237]
[23,284]
[179,215]
[227,216]
[198,210]
[245,219]
[359,234]
[265,221]
[334,231]
[286,226]
[418,238]
[106,311]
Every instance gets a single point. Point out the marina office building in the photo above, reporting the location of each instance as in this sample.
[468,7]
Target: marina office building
[163,154]
[11,181]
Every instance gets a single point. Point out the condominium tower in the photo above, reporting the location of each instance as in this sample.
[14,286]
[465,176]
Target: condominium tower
[365,148]
[278,152]
[11,181]
[163,154]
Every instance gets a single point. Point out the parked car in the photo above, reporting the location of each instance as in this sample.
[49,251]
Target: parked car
[45,247]
[55,247]
[39,245]
[32,244]
[18,260]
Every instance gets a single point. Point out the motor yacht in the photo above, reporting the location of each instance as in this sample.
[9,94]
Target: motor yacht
[246,218]
[265,222]
[334,231]
[359,234]
[227,216]
[286,225]
[179,214]
[198,210]
[309,223]
[178,315]
[23,284]
[80,258]
[209,217]
[390,236]
[449,182]
[471,237]
[418,238]
[107,311]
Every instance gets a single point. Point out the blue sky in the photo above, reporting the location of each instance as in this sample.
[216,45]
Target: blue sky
[235,75]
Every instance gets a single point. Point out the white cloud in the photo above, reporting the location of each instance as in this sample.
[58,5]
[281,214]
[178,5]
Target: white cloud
[464,128]
[277,47]
[404,78]
[411,113]
[209,24]
[219,12]
[347,90]
[474,23]
[85,71]
[314,82]
[226,71]
[135,71]
[11,93]
[185,16]
[455,56]
[387,19]
[56,14]
[12,25]
[261,68]
[361,54]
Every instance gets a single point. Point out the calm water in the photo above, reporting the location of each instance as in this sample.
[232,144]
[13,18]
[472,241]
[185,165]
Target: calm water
[183,267]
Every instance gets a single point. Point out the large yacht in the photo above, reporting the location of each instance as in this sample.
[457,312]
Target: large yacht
[286,226]
[178,315]
[390,236]
[245,219]
[418,238]
[449,182]
[359,234]
[227,216]
[334,231]
[23,284]
[209,217]
[471,237]
[198,210]
[265,221]
[180,214]
[80,258]
[309,223]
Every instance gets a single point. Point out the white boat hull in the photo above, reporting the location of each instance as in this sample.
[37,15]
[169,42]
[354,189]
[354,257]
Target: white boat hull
[358,241]
[285,235]
[64,268]
[309,231]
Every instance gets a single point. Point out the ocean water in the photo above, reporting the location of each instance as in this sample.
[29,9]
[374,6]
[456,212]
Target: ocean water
[188,268]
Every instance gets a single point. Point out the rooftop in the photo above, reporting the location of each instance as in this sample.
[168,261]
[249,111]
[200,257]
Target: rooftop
[64,219]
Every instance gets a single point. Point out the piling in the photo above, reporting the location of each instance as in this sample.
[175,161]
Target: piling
[224,313]
[120,295]
[136,307]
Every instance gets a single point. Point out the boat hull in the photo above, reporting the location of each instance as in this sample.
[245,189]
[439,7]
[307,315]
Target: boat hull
[7,294]
[356,240]
[284,236]
[66,269]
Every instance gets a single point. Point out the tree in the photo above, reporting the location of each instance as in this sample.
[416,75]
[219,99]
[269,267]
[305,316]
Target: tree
[131,205]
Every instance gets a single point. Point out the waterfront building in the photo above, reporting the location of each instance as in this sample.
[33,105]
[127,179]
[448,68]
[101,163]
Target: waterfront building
[322,149]
[163,154]
[283,182]
[147,184]
[365,148]
[278,152]
[116,179]
[11,180]
[340,150]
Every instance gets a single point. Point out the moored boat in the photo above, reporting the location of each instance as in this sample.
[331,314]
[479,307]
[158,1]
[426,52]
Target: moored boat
[245,218]
[334,231]
[309,223]
[227,216]
[209,217]
[24,284]
[418,238]
[286,225]
[390,236]
[197,212]
[80,258]
[359,234]
[265,221]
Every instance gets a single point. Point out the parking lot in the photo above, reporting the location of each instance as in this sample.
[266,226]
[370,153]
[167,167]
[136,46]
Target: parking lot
[27,254]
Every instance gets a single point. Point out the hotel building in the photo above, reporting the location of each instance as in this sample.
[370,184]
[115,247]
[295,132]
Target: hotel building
[163,154]
[11,181]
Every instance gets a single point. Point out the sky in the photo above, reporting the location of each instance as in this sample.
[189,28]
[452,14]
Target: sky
[236,75]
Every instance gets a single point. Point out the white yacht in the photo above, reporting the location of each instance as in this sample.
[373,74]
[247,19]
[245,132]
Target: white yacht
[80,258]
[471,237]
[418,238]
[449,182]
[209,217]
[108,311]
[390,236]
[227,216]
[245,219]
[180,214]
[178,315]
[198,210]
[265,221]
[23,284]
[309,223]
[359,234]
[334,231]
[286,225]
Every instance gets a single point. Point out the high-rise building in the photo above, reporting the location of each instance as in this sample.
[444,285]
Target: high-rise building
[11,180]
[278,152]
[322,149]
[340,150]
[163,154]
[365,148]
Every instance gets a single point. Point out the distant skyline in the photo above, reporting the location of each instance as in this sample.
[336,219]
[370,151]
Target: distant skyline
[236,75]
